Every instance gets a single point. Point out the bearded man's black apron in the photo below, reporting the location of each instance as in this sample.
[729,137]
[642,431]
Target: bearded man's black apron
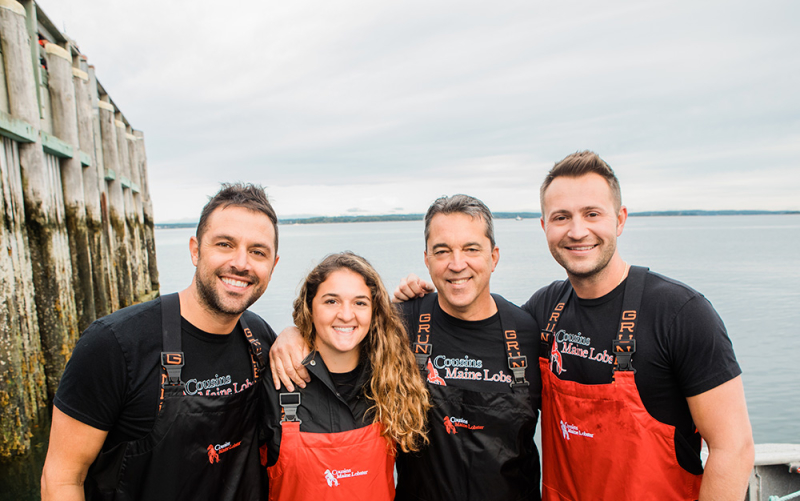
[200,447]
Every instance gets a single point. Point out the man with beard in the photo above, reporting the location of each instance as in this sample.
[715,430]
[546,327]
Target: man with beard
[636,368]
[158,400]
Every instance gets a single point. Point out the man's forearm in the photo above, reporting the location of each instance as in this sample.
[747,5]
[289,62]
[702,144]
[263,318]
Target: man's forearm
[727,473]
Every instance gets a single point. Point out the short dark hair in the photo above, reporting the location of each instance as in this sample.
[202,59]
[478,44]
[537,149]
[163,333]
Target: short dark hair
[460,204]
[246,195]
[579,164]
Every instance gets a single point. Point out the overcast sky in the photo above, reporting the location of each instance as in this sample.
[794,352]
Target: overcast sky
[366,107]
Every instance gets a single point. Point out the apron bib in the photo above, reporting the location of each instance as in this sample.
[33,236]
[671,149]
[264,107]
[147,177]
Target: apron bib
[201,447]
[599,441]
[481,443]
[347,466]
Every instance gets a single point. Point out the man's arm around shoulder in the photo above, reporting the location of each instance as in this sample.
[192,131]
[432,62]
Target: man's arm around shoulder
[73,447]
[720,415]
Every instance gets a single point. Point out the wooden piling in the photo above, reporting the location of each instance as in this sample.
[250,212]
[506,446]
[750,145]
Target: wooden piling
[71,232]
[50,271]
[147,212]
[132,237]
[65,127]
[92,192]
[108,239]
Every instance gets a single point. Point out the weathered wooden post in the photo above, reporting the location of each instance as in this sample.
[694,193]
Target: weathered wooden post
[91,192]
[143,285]
[130,210]
[116,212]
[50,270]
[147,212]
[65,127]
[107,236]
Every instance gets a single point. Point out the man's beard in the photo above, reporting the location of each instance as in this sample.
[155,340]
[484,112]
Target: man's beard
[210,298]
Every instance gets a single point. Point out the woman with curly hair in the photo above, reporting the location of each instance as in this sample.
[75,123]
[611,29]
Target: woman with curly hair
[337,437]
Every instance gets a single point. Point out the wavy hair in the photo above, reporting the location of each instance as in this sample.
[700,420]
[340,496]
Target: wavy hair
[398,394]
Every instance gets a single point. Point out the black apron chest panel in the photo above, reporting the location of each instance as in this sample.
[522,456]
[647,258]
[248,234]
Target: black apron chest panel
[423,347]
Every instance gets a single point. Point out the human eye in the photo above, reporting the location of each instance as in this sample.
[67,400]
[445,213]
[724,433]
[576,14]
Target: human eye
[362,302]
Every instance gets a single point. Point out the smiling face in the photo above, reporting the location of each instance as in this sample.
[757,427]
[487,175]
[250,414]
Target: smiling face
[581,223]
[341,312]
[460,259]
[234,260]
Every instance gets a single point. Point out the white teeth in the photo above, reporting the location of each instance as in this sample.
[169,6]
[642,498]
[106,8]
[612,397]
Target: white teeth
[459,281]
[587,247]
[344,330]
[235,283]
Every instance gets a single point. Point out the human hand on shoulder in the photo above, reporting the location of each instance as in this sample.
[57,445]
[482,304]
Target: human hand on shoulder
[286,357]
[411,287]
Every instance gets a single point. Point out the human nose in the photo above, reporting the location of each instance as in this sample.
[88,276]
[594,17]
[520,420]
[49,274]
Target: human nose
[578,229]
[240,259]
[457,261]
[346,312]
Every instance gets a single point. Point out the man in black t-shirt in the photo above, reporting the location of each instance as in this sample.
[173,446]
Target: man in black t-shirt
[478,353]
[639,366]
[636,367]
[158,400]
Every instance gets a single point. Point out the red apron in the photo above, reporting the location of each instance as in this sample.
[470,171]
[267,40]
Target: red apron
[598,441]
[347,466]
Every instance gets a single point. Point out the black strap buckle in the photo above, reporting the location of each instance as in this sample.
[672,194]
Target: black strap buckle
[290,402]
[172,361]
[518,366]
[624,350]
[422,351]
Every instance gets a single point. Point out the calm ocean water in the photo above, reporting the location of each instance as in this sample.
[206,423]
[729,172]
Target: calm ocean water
[747,266]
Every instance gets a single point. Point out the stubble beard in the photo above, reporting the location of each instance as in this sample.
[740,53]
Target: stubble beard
[608,251]
[210,298]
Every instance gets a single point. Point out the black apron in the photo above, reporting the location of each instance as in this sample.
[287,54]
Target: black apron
[200,447]
[481,443]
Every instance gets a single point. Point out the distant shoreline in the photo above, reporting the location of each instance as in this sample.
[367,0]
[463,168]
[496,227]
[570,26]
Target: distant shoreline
[497,215]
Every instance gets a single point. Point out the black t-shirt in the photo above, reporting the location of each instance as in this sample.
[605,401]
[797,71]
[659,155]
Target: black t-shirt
[682,349]
[471,354]
[112,379]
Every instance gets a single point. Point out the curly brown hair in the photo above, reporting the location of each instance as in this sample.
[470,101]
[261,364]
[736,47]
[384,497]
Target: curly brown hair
[399,396]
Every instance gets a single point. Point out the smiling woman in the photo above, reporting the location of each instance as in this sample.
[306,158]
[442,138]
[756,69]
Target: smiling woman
[366,397]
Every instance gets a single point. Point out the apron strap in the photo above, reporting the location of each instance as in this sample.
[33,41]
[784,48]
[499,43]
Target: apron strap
[172,356]
[624,345]
[256,352]
[547,335]
[289,404]
[422,346]
[517,362]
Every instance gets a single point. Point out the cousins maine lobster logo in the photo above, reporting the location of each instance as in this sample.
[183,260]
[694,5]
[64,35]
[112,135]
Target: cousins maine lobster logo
[215,450]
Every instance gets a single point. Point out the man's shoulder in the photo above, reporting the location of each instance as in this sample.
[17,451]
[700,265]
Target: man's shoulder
[522,317]
[260,328]
[545,298]
[669,290]
[133,313]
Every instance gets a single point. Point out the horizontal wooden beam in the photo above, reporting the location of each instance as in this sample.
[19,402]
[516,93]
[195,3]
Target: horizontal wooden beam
[56,146]
[16,129]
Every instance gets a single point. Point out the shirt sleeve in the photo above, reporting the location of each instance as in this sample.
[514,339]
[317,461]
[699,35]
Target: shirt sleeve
[701,351]
[94,385]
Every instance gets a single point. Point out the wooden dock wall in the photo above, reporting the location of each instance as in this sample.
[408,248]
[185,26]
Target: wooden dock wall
[77,233]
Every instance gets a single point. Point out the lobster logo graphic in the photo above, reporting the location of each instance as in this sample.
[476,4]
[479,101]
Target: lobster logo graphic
[555,357]
[564,430]
[212,454]
[433,375]
[451,430]
[332,482]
